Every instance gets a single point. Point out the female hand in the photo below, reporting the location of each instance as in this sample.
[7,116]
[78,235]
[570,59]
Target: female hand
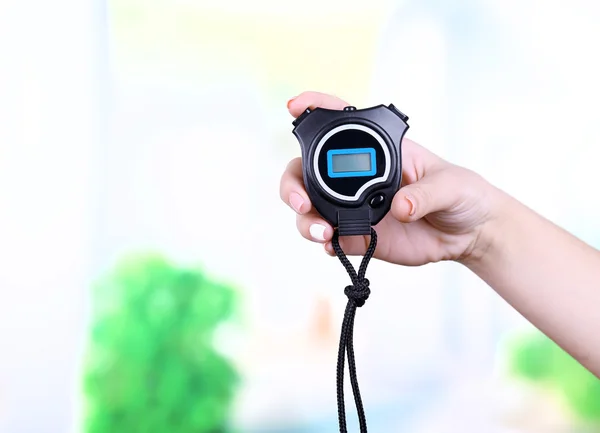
[438,214]
[445,212]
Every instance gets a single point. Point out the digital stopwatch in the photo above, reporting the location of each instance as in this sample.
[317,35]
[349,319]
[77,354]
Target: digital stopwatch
[352,168]
[352,163]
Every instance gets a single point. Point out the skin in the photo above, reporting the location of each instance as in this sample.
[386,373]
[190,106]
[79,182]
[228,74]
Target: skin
[446,212]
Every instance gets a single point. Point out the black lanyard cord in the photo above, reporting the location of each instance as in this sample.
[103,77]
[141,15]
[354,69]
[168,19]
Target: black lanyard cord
[357,294]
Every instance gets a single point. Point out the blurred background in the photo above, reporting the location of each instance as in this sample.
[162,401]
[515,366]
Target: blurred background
[141,290]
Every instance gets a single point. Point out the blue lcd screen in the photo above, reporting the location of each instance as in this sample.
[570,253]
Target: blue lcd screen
[351,162]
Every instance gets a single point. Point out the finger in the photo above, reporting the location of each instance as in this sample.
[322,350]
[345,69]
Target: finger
[314,228]
[329,249]
[418,162]
[291,188]
[313,100]
[436,192]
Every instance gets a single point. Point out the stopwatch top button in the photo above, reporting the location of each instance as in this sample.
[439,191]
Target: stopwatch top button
[400,114]
[300,118]
[350,108]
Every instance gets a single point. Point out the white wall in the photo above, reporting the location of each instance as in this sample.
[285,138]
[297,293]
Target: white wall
[48,132]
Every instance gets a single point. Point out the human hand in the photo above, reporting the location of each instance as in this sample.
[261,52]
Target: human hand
[438,214]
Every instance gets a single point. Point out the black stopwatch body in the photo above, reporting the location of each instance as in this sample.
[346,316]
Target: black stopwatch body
[352,163]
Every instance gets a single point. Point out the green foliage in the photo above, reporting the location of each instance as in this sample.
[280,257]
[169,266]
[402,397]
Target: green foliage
[151,363]
[538,359]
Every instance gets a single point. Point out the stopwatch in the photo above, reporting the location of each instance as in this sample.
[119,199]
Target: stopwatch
[352,163]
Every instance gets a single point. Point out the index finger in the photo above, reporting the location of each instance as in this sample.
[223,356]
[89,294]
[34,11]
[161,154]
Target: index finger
[313,100]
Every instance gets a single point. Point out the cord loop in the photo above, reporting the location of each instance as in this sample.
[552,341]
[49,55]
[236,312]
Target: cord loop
[358,292]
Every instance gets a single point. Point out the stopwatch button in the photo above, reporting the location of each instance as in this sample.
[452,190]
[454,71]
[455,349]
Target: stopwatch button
[377,200]
[400,114]
[300,118]
[349,108]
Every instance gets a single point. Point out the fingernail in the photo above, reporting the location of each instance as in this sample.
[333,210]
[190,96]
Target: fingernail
[411,202]
[290,101]
[296,201]
[317,231]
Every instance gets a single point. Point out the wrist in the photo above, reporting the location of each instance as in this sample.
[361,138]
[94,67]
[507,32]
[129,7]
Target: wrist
[489,236]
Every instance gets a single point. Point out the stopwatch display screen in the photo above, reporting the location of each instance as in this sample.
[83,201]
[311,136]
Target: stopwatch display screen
[351,162]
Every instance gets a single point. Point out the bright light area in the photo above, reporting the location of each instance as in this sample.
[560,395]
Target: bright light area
[161,126]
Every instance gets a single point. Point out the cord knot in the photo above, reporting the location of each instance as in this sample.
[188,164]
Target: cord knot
[359,292]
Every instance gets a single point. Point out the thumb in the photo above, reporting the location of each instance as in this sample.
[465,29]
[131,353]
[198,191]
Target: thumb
[436,192]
